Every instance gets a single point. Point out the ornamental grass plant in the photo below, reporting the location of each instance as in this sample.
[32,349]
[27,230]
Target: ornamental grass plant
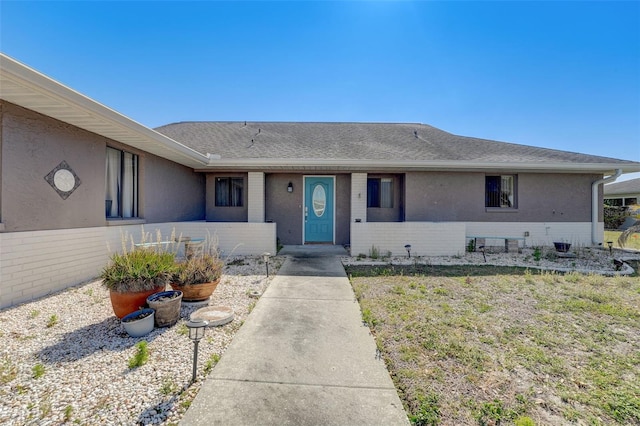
[139,267]
[199,269]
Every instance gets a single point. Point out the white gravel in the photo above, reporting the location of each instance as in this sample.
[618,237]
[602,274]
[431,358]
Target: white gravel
[85,356]
[584,260]
[74,336]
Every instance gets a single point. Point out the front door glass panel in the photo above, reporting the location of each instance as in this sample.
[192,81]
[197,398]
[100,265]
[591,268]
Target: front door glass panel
[319,200]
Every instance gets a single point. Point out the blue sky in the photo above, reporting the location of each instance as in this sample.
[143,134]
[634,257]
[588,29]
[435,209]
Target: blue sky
[562,75]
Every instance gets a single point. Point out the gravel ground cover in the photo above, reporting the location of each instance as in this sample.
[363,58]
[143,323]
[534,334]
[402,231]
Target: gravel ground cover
[581,259]
[65,358]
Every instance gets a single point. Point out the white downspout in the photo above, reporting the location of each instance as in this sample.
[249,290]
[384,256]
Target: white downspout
[594,204]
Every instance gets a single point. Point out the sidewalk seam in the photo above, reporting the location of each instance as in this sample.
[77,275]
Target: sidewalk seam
[309,298]
[303,384]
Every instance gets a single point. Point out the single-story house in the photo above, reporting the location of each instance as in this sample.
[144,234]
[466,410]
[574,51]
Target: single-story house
[76,175]
[626,193]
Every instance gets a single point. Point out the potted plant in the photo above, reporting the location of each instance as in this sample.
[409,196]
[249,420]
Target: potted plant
[167,307]
[198,276]
[134,275]
[562,247]
[139,323]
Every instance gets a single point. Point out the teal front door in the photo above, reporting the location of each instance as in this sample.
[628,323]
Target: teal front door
[318,209]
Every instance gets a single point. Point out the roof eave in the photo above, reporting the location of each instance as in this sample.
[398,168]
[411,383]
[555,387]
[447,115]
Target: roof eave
[30,89]
[382,165]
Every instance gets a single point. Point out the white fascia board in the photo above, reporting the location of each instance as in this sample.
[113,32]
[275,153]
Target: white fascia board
[421,165]
[37,83]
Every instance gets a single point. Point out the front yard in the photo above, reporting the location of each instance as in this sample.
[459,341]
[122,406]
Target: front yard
[494,345]
[632,243]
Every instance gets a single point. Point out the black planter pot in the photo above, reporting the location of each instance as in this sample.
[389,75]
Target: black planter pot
[562,247]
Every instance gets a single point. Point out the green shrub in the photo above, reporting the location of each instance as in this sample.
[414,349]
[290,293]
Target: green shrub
[524,421]
[141,356]
[429,412]
[8,370]
[368,318]
[204,268]
[537,254]
[53,320]
[68,411]
[615,216]
[471,246]
[491,413]
[141,267]
[37,371]
[211,362]
[138,270]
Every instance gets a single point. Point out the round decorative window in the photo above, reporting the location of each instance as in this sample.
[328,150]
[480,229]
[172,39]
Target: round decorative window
[319,199]
[64,180]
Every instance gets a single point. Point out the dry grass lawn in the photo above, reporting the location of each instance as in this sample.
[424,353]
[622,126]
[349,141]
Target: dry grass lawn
[632,243]
[490,345]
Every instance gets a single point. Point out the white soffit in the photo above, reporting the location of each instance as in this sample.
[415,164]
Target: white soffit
[30,89]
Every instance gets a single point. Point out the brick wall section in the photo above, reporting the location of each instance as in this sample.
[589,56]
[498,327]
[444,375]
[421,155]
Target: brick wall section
[450,238]
[425,238]
[234,238]
[255,197]
[540,233]
[37,263]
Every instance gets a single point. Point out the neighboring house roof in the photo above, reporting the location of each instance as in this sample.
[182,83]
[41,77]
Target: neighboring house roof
[627,187]
[368,145]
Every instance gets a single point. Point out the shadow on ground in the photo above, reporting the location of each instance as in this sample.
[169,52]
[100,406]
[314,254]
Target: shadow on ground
[82,342]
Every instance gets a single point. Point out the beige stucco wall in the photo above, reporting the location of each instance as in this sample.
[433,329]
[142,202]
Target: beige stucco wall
[285,208]
[441,196]
[34,144]
[391,214]
[343,209]
[171,191]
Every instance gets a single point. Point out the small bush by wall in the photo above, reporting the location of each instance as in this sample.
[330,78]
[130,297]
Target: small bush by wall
[614,216]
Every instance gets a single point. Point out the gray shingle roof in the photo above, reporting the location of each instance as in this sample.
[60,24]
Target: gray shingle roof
[363,141]
[631,186]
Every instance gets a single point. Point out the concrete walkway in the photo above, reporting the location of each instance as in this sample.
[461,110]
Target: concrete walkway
[302,356]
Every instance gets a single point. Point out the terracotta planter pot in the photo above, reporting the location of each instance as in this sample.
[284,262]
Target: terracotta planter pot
[125,303]
[196,292]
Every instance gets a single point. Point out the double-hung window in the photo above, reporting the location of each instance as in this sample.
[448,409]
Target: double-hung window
[121,190]
[380,192]
[229,191]
[500,191]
